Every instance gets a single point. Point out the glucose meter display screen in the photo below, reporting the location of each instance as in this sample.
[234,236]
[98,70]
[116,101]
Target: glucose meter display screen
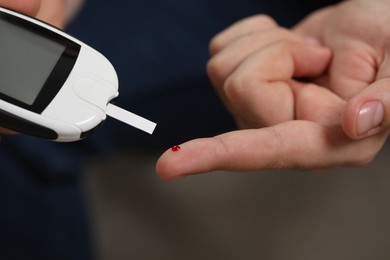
[26,61]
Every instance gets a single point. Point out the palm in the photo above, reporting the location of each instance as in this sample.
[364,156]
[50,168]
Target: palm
[358,49]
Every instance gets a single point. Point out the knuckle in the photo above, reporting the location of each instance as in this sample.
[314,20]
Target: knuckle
[284,46]
[263,20]
[234,86]
[216,44]
[253,23]
[240,86]
[215,69]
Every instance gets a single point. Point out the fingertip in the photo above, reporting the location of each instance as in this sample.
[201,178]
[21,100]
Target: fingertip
[28,7]
[173,163]
[322,50]
[364,120]
[368,112]
[193,157]
[167,166]
[309,59]
[162,169]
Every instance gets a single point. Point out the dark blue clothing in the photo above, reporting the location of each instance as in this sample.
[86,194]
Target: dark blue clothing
[159,49]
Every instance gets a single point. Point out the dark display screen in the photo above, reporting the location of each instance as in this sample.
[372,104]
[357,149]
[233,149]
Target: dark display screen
[26,61]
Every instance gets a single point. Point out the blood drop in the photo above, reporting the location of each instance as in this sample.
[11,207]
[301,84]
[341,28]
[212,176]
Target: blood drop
[175,148]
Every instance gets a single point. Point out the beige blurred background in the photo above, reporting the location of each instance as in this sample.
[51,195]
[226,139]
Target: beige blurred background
[339,215]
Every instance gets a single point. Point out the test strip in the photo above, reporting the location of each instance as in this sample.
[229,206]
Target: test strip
[130,118]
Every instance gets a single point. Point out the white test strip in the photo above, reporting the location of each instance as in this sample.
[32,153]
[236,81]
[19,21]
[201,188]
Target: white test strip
[130,118]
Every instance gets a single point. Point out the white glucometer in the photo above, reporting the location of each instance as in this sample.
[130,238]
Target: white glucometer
[52,85]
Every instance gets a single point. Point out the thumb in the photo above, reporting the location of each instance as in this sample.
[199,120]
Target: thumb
[368,112]
[28,7]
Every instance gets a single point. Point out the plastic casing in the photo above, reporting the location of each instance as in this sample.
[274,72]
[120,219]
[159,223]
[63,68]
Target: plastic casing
[80,105]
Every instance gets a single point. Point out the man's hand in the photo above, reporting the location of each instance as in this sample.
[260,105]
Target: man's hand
[29,7]
[330,117]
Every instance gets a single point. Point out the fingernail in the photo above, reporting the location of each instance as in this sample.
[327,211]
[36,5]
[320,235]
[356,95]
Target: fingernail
[370,117]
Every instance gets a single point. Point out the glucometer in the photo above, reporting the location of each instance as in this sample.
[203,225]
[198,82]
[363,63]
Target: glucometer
[54,86]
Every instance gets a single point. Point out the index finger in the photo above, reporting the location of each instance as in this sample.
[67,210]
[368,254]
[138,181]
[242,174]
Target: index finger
[291,145]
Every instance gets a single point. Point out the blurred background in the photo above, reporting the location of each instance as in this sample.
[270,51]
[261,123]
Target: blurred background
[340,215]
[101,199]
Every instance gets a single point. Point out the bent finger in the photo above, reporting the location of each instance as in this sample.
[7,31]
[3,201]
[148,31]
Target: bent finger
[230,57]
[240,28]
[260,87]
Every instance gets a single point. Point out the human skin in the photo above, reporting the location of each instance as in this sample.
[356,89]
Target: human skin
[313,97]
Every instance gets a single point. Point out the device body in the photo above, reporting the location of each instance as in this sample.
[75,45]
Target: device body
[51,85]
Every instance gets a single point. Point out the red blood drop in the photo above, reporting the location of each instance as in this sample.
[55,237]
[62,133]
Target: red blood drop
[175,148]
